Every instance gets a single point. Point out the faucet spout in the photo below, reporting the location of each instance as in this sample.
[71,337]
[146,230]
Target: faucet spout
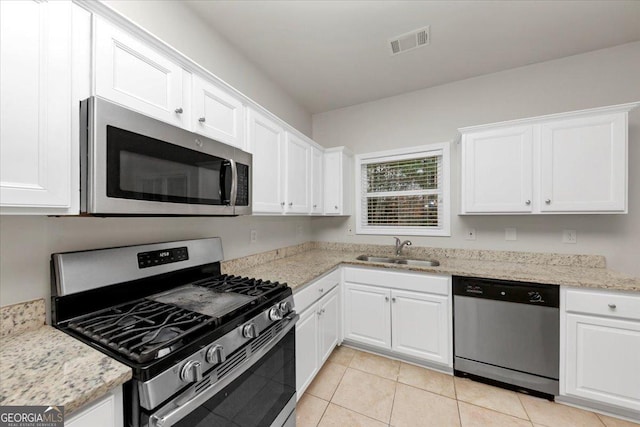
[400,245]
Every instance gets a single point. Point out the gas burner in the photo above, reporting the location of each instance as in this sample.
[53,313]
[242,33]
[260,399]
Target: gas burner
[143,330]
[241,285]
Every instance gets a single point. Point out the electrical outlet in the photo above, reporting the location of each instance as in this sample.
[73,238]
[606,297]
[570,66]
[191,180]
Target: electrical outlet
[569,236]
[510,234]
[470,234]
[254,236]
[299,230]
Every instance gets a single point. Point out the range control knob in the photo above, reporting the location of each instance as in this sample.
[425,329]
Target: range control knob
[285,307]
[249,330]
[215,354]
[275,314]
[191,372]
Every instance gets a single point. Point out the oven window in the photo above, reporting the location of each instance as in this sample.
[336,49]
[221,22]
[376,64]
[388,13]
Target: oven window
[255,398]
[143,168]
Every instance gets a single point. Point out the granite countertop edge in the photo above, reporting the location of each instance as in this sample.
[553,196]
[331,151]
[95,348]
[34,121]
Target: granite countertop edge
[303,268]
[46,366]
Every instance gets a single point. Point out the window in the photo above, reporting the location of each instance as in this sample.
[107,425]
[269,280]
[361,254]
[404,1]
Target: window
[404,191]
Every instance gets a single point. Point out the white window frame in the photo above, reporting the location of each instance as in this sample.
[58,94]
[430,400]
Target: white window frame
[404,154]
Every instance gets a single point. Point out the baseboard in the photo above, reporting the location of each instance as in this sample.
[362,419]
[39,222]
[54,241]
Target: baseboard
[601,408]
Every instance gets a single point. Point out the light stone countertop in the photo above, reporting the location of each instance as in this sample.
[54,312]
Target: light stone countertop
[303,267]
[44,366]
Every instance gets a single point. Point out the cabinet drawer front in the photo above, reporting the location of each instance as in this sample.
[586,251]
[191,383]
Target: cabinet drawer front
[312,292]
[418,282]
[603,303]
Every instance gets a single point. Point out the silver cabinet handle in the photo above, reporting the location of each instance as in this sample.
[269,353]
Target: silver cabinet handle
[322,311]
[315,206]
[393,299]
[290,203]
[179,110]
[528,202]
[386,299]
[548,201]
[319,313]
[281,203]
[336,206]
[321,290]
[202,119]
[612,306]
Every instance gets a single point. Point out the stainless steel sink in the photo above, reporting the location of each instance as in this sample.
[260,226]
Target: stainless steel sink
[401,261]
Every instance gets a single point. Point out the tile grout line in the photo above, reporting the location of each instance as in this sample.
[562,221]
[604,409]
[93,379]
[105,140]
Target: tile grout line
[524,407]
[395,391]
[455,393]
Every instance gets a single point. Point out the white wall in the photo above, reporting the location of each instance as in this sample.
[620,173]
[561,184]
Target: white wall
[27,242]
[176,24]
[599,78]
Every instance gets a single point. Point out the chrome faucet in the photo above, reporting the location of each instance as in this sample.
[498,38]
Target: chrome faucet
[400,245]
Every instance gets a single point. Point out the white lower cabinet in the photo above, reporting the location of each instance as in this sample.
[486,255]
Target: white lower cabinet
[601,340]
[405,313]
[105,412]
[318,329]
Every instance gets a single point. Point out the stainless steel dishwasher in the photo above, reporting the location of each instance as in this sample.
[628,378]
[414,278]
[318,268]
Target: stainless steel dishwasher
[508,332]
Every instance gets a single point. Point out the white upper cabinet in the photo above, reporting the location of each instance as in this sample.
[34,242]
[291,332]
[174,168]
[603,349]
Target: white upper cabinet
[583,164]
[36,109]
[266,141]
[217,114]
[563,163]
[131,73]
[298,175]
[317,181]
[338,181]
[497,170]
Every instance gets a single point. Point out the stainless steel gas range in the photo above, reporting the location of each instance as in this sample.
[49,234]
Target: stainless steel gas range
[205,348]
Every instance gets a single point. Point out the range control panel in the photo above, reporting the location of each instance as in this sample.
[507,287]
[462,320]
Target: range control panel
[164,256]
[507,291]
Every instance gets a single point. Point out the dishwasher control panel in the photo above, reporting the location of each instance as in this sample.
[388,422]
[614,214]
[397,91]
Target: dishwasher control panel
[508,291]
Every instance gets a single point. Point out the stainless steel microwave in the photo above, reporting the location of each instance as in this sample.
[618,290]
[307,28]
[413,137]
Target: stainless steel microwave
[133,165]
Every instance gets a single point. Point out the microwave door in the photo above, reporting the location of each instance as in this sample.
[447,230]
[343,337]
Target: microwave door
[130,171]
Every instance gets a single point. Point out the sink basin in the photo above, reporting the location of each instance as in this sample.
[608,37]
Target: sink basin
[401,261]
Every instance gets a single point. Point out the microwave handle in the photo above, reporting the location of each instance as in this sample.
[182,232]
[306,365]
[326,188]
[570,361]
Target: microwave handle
[234,183]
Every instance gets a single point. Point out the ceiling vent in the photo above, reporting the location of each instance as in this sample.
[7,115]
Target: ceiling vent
[410,41]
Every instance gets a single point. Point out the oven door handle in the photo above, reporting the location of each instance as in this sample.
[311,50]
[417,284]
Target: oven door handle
[181,410]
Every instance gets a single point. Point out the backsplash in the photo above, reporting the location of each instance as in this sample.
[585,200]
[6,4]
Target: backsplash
[22,317]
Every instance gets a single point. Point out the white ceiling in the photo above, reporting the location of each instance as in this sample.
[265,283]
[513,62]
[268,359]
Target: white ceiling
[331,54]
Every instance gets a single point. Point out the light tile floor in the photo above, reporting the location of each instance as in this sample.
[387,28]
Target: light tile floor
[355,389]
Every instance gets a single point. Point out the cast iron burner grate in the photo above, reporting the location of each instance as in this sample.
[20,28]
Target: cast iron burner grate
[241,285]
[142,330]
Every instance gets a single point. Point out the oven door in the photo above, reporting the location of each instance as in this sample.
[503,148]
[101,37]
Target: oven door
[136,165]
[261,391]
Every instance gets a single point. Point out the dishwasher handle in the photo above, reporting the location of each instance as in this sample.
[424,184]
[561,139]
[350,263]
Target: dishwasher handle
[507,291]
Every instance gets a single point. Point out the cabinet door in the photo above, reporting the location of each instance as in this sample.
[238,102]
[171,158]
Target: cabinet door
[317,181]
[265,142]
[35,106]
[217,114]
[298,175]
[420,326]
[332,184]
[367,315]
[497,171]
[105,412]
[329,324]
[307,348]
[133,74]
[583,164]
[602,360]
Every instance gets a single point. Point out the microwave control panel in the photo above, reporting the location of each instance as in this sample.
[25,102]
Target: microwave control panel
[242,196]
[164,256]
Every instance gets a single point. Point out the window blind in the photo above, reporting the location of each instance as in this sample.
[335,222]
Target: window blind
[405,192]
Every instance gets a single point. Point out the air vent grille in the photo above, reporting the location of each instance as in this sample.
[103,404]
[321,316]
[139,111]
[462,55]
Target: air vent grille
[231,363]
[411,40]
[203,384]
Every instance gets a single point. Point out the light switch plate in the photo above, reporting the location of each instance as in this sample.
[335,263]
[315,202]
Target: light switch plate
[470,234]
[254,236]
[569,236]
[510,233]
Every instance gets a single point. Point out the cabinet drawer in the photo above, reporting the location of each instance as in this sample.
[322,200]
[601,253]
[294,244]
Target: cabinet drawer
[612,304]
[320,287]
[418,282]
